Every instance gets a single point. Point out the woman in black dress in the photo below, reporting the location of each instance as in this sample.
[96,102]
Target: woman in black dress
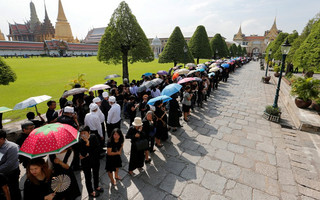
[161,124]
[174,113]
[136,157]
[89,155]
[114,148]
[38,183]
[149,129]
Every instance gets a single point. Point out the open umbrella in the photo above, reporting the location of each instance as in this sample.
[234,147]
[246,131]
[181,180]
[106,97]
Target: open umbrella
[49,139]
[211,74]
[191,72]
[144,86]
[171,89]
[191,65]
[202,65]
[30,102]
[112,76]
[213,65]
[185,80]
[214,69]
[163,98]
[177,67]
[207,63]
[175,75]
[162,72]
[147,74]
[182,71]
[74,91]
[99,87]
[225,65]
[156,81]
[200,70]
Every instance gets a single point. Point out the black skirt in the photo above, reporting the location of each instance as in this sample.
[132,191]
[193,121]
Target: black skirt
[113,162]
[185,108]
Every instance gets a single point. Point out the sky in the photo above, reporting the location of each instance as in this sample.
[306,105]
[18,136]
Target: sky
[160,17]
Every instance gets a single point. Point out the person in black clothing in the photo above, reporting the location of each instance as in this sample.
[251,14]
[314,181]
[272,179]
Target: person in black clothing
[38,183]
[37,123]
[27,128]
[4,189]
[105,106]
[88,99]
[174,113]
[63,100]
[136,157]
[69,117]
[51,114]
[132,108]
[200,94]
[114,149]
[143,106]
[148,128]
[89,156]
[161,124]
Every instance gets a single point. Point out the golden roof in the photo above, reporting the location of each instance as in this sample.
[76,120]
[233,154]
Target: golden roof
[239,35]
[2,36]
[63,29]
[273,33]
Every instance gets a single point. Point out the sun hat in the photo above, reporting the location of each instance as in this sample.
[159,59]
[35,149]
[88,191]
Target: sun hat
[105,94]
[68,109]
[137,121]
[96,100]
[112,99]
[93,106]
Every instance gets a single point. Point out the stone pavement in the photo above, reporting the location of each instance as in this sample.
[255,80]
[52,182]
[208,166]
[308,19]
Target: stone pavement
[226,151]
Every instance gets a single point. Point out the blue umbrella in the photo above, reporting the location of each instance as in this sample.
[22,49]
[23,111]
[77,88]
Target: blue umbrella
[212,74]
[163,98]
[225,65]
[200,70]
[147,74]
[171,89]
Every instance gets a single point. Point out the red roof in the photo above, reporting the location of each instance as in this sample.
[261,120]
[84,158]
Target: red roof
[82,47]
[13,45]
[254,37]
[19,29]
[56,45]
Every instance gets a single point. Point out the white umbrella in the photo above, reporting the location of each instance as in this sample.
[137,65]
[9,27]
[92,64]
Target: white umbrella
[191,72]
[30,102]
[156,81]
[182,71]
[213,65]
[99,87]
[190,65]
[214,69]
[74,91]
[112,76]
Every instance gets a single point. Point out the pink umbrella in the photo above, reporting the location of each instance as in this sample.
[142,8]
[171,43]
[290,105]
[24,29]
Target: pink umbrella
[185,80]
[49,139]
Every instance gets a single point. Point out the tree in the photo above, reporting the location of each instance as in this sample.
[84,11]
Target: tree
[239,50]
[244,51]
[275,46]
[6,73]
[174,49]
[233,49]
[219,47]
[309,51]
[199,44]
[124,40]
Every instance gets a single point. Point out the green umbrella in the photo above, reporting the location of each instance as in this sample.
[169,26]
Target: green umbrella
[3,110]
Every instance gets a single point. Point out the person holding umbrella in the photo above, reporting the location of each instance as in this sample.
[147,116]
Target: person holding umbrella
[161,124]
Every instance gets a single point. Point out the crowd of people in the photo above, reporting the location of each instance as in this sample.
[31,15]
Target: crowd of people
[99,119]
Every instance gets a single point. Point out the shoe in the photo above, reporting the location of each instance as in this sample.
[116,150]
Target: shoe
[131,174]
[186,120]
[118,178]
[141,170]
[152,151]
[101,190]
[148,161]
[94,194]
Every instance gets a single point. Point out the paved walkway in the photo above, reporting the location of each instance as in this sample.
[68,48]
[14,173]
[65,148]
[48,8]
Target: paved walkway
[227,151]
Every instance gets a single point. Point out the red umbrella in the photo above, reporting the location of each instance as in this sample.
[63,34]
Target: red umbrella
[175,75]
[49,139]
[185,80]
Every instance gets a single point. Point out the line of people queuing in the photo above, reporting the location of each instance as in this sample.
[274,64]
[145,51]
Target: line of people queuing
[99,121]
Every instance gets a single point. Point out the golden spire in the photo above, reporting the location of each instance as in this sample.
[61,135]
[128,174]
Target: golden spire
[239,35]
[273,33]
[2,36]
[63,29]
[61,15]
[274,26]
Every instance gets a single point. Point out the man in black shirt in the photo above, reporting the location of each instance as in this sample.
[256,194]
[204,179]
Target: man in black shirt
[37,123]
[69,117]
[51,114]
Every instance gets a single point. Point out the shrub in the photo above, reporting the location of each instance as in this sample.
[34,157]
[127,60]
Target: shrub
[305,88]
[272,111]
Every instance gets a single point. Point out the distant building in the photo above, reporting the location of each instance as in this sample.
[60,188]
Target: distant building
[94,36]
[256,44]
[35,31]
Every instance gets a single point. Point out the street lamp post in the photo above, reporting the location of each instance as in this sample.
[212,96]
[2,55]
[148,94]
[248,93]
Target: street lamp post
[285,48]
[185,50]
[269,54]
[216,54]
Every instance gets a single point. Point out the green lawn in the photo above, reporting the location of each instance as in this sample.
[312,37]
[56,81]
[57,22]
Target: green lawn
[50,76]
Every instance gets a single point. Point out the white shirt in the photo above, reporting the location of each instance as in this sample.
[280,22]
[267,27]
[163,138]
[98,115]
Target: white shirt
[61,157]
[156,93]
[100,115]
[133,90]
[93,121]
[114,114]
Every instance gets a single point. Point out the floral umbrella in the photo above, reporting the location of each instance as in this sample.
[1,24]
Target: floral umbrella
[49,139]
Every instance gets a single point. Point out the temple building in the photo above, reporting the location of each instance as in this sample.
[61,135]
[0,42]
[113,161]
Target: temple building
[256,44]
[156,47]
[63,29]
[33,30]
[94,35]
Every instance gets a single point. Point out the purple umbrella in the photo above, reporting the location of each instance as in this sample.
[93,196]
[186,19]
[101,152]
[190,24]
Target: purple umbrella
[162,72]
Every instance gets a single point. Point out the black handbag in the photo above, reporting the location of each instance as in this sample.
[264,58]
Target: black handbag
[142,144]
